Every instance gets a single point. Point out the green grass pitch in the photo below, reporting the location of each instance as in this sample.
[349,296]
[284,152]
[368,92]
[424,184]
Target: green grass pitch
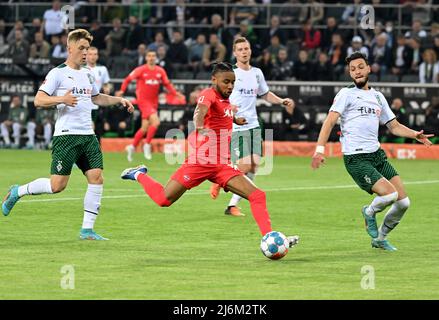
[193,251]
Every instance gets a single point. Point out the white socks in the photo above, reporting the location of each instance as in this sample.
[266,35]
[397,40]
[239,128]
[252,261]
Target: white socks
[381,202]
[235,198]
[393,217]
[38,186]
[92,204]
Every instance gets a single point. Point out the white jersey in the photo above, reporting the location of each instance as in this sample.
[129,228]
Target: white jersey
[249,84]
[72,120]
[361,112]
[101,77]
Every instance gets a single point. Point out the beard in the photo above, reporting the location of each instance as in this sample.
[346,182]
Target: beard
[361,84]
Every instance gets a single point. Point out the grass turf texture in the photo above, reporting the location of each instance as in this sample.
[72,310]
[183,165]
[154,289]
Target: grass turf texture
[193,251]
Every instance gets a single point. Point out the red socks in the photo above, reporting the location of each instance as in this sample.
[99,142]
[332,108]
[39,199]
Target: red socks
[150,134]
[138,137]
[258,205]
[154,190]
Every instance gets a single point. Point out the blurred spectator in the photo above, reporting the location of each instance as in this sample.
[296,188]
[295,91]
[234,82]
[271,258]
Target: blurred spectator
[401,57]
[402,116]
[140,57]
[60,50]
[195,52]
[164,62]
[432,117]
[382,14]
[380,58]
[322,69]
[224,35]
[18,26]
[16,120]
[214,52]
[429,68]
[40,48]
[98,34]
[177,53]
[416,31]
[289,12]
[312,11]
[302,69]
[265,63]
[310,37]
[294,124]
[357,45]
[37,26]
[115,39]
[422,11]
[416,54]
[112,11]
[283,68]
[337,54]
[274,47]
[331,28]
[53,20]
[176,17]
[45,120]
[19,50]
[134,36]
[436,45]
[116,119]
[140,8]
[3,41]
[244,10]
[87,13]
[159,40]
[274,28]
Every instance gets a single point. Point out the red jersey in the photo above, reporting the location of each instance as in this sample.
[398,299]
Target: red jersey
[214,146]
[148,84]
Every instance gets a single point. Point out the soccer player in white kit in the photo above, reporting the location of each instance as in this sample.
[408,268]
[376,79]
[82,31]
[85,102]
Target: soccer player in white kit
[361,109]
[246,143]
[71,88]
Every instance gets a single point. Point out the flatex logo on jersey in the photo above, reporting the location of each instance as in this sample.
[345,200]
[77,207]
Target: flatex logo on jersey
[248,92]
[369,110]
[81,91]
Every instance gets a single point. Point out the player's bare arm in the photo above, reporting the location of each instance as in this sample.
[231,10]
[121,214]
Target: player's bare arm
[288,103]
[318,158]
[106,100]
[43,100]
[401,130]
[199,115]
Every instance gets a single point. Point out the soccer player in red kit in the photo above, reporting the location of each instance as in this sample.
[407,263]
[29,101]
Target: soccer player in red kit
[149,77]
[210,157]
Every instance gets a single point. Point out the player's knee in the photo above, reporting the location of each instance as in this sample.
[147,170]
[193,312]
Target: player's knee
[57,187]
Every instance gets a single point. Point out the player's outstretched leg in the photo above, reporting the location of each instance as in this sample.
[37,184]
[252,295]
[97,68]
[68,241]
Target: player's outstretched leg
[369,212]
[38,186]
[242,186]
[163,196]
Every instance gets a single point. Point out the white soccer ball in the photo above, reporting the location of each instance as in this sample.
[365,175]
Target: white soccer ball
[274,245]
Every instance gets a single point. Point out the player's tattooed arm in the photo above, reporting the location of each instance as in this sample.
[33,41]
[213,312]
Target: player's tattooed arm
[401,130]
[199,115]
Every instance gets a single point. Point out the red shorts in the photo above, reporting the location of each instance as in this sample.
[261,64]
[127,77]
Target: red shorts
[146,109]
[191,175]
